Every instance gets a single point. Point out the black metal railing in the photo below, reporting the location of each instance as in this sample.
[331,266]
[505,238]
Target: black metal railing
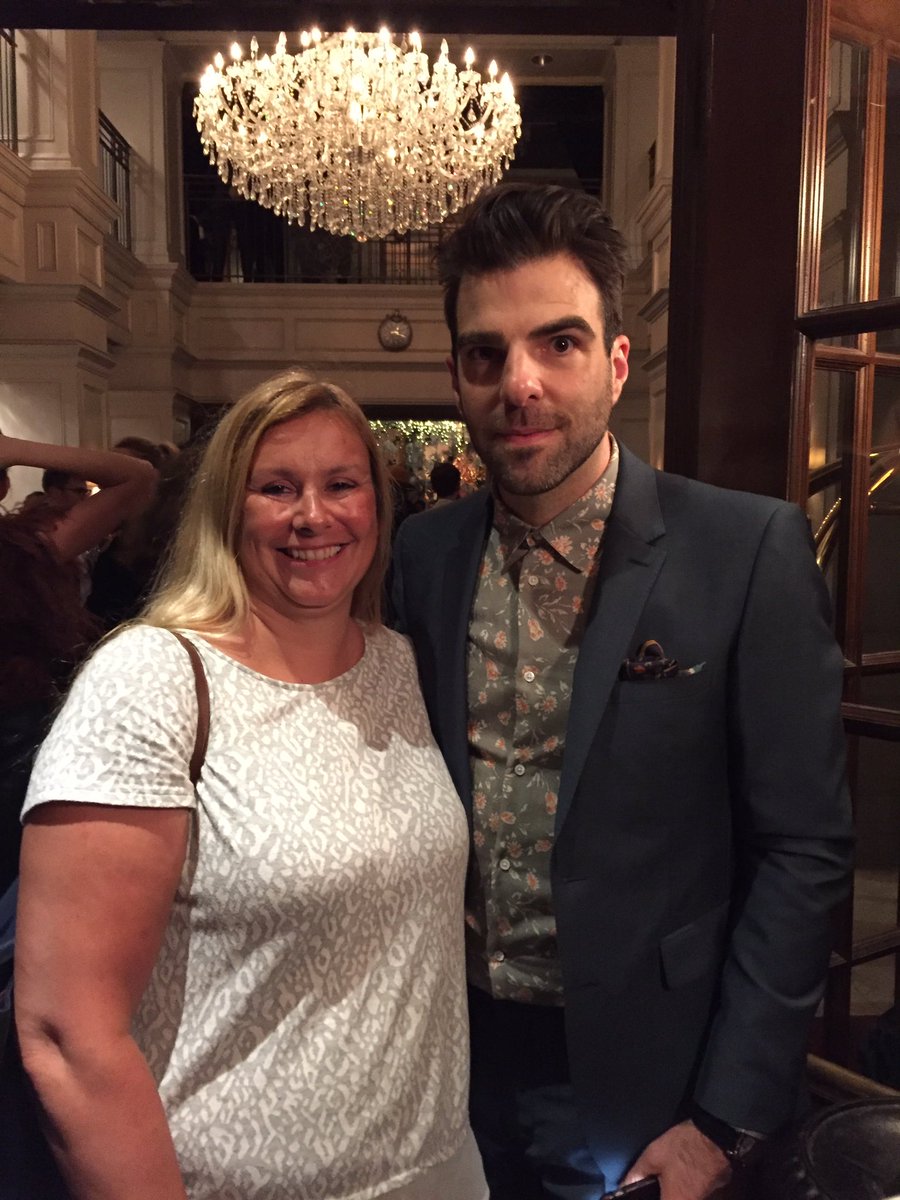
[9,127]
[115,177]
[229,239]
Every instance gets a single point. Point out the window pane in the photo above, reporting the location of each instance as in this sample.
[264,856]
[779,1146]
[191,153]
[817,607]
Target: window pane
[839,264]
[881,611]
[829,425]
[889,271]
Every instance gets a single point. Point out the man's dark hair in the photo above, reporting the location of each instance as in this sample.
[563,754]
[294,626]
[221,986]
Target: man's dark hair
[445,480]
[515,223]
[55,479]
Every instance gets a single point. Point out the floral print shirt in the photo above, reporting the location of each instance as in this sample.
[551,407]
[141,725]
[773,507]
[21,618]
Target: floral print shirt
[534,589]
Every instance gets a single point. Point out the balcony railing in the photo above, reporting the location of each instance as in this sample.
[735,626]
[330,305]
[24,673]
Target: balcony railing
[233,240]
[8,118]
[115,177]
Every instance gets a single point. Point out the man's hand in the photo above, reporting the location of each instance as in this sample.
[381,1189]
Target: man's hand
[689,1166]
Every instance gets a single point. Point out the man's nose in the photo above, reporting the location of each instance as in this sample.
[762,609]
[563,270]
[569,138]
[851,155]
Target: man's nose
[521,380]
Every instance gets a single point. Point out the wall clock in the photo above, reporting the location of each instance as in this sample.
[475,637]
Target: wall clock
[395,332]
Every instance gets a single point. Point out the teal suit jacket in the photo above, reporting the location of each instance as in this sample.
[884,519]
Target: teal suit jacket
[703,830]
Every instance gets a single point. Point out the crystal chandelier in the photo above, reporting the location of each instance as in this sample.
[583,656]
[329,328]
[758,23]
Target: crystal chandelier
[353,134]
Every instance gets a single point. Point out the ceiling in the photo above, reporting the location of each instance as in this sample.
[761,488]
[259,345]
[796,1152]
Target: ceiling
[568,61]
[649,18]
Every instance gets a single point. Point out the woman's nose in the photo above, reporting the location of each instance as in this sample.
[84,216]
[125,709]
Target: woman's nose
[310,509]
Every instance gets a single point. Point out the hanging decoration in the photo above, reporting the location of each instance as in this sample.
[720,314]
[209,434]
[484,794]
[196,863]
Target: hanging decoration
[356,133]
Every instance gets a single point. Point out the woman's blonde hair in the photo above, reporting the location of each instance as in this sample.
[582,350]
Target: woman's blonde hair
[202,586]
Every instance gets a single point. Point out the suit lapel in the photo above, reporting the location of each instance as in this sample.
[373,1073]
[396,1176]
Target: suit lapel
[633,553]
[461,566]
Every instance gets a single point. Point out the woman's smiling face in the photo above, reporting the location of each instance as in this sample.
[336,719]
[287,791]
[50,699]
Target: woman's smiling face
[310,523]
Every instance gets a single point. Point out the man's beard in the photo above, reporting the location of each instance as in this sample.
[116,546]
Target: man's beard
[522,471]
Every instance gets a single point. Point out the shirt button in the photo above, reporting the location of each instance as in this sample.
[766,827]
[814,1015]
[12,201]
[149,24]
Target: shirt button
[533,580]
[504,864]
[519,769]
[528,676]
[498,956]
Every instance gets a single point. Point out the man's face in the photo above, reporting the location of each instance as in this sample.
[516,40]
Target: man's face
[535,383]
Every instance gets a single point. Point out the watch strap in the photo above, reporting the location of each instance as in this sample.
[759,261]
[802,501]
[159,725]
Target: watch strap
[736,1144]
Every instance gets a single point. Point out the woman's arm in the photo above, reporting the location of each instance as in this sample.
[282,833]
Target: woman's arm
[96,888]
[126,486]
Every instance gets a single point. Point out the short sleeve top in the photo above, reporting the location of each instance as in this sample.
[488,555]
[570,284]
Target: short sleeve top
[305,1021]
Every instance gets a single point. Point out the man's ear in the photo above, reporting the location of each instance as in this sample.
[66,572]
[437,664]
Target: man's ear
[618,359]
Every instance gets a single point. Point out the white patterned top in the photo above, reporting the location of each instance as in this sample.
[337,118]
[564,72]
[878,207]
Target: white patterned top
[306,1019]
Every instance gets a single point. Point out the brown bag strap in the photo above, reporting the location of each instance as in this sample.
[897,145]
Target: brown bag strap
[202,688]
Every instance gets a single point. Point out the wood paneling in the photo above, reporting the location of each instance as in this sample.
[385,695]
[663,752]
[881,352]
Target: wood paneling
[740,111]
[876,16]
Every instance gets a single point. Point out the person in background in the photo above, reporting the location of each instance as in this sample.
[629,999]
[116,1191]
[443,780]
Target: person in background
[445,481]
[635,685]
[118,582]
[257,989]
[4,487]
[140,447]
[63,490]
[406,494]
[44,630]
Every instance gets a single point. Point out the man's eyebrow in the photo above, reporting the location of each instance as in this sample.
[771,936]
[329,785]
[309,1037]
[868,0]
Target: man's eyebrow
[490,338]
[562,325]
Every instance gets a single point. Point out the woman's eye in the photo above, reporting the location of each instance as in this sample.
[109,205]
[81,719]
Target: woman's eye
[279,491]
[343,485]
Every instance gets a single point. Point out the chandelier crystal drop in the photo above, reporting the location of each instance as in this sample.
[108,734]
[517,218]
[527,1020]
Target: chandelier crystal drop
[353,134]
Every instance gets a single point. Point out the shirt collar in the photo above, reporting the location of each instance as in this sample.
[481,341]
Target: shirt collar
[575,534]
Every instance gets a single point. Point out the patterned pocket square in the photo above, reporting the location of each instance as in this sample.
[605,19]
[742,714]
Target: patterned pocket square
[650,662]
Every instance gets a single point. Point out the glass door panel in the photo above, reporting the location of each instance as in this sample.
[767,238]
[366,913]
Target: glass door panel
[889,264]
[881,596]
[830,441]
[841,248]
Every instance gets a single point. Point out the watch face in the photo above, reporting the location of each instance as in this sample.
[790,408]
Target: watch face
[395,332]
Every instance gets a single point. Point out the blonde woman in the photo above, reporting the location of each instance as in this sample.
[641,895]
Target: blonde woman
[255,989]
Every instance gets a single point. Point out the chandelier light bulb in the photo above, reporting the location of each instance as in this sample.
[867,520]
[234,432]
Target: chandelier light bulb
[356,133]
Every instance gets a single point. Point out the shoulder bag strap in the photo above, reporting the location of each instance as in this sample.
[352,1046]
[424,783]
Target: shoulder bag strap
[202,689]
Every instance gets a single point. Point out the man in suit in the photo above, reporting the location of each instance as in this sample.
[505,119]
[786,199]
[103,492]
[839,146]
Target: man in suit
[634,684]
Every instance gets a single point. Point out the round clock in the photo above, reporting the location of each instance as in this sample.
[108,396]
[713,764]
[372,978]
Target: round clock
[395,332]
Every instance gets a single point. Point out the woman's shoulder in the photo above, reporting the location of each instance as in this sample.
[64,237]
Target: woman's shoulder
[139,640]
[139,655]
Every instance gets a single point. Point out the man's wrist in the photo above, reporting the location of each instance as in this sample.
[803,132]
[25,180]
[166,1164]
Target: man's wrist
[738,1145]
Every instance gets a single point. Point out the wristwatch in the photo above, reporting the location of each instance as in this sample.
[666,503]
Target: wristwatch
[738,1145]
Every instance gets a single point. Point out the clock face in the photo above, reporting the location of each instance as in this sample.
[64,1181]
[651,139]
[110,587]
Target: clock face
[395,332]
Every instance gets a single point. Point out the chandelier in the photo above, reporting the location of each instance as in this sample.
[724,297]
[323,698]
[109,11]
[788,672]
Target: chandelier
[353,134]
